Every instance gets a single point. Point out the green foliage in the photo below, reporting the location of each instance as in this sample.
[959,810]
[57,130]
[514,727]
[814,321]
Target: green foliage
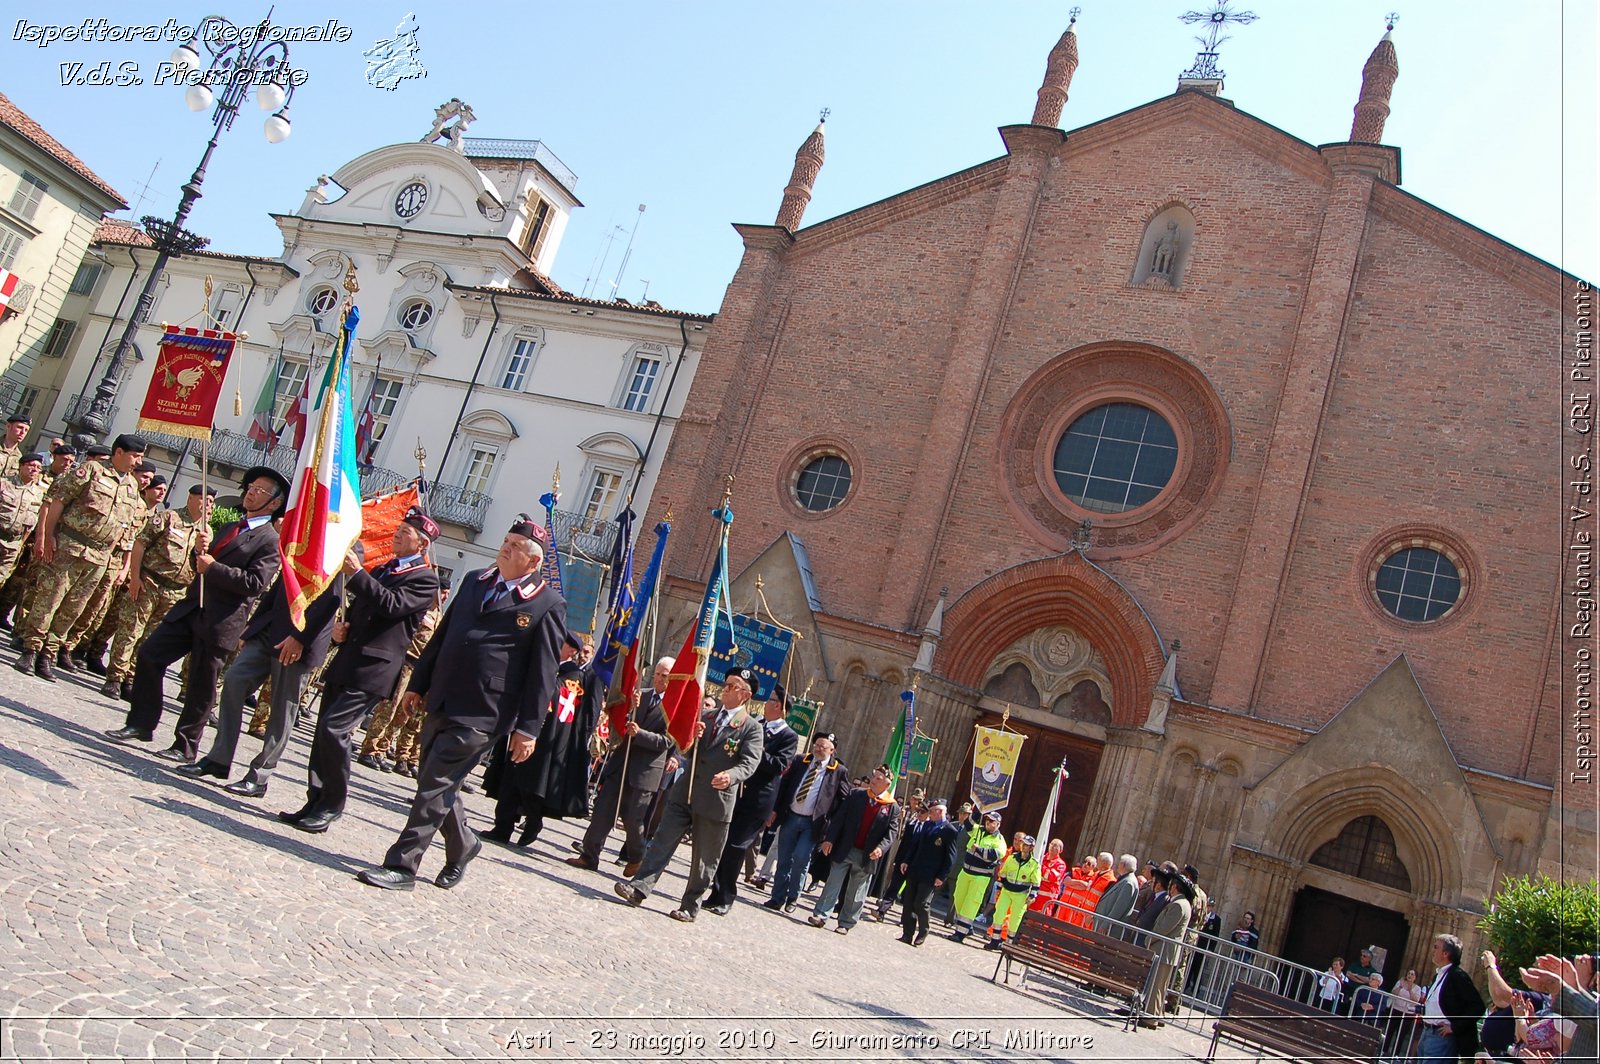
[222,516]
[1533,915]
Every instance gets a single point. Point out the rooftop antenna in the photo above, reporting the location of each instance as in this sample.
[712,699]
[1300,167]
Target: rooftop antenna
[627,252]
[644,297]
[598,267]
[144,190]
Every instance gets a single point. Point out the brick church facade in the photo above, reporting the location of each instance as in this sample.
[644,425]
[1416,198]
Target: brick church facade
[1209,459]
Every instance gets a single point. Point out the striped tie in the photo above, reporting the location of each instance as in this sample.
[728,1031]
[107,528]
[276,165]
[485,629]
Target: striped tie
[809,784]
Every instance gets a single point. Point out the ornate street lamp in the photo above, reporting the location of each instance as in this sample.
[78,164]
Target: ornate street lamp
[241,61]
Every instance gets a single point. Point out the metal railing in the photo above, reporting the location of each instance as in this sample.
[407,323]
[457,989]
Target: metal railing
[1209,966]
[458,506]
[79,405]
[590,538]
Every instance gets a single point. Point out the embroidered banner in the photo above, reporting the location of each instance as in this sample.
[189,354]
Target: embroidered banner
[994,766]
[762,647]
[190,367]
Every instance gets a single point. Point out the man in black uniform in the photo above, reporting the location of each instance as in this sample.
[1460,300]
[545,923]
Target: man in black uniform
[386,606]
[490,670]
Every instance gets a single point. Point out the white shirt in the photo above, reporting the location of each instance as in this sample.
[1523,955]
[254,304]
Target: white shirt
[1431,1012]
[809,806]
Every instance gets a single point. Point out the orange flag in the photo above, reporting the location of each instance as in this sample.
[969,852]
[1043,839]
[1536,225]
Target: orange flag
[379,518]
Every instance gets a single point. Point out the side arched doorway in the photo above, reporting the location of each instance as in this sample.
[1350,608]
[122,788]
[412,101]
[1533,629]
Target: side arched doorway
[1355,892]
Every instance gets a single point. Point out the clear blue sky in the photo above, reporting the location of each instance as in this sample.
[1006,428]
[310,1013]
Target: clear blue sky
[696,108]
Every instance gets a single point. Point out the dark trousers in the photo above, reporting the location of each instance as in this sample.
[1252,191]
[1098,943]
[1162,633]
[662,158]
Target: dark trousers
[170,642]
[450,751]
[342,710]
[725,883]
[914,908]
[617,800]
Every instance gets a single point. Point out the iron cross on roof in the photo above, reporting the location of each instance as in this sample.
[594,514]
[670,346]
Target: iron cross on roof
[1205,62]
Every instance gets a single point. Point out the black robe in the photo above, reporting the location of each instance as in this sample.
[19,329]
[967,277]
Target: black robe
[554,782]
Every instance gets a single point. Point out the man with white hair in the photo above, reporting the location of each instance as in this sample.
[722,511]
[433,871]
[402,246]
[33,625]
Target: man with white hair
[489,671]
[631,777]
[1117,901]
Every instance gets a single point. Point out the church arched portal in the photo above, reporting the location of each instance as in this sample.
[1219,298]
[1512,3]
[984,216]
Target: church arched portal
[1354,893]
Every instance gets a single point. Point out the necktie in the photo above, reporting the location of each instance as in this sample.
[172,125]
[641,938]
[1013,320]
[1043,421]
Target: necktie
[809,784]
[497,595]
[228,536]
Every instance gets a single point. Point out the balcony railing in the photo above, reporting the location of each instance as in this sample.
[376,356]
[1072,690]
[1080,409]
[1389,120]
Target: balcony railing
[589,538]
[458,506]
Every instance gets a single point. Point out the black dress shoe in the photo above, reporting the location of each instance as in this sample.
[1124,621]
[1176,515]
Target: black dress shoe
[906,939]
[772,903]
[629,893]
[296,816]
[128,735]
[315,823]
[200,769]
[719,910]
[173,753]
[452,872]
[247,788]
[387,878]
[496,835]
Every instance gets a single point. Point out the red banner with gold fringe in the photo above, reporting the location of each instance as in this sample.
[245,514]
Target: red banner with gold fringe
[183,393]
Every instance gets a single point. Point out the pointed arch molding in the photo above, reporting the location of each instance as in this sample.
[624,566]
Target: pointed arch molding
[1424,838]
[1064,590]
[1077,381]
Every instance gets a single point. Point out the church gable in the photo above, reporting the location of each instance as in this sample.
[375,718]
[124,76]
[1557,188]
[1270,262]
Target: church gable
[414,186]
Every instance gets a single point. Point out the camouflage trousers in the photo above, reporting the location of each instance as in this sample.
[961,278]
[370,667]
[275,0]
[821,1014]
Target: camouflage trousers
[60,593]
[135,617]
[98,607]
[394,728]
[10,551]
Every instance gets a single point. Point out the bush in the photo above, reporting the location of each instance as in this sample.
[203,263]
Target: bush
[223,516]
[1533,915]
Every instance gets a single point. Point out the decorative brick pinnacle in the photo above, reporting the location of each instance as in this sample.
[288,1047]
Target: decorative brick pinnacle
[1058,72]
[1377,81]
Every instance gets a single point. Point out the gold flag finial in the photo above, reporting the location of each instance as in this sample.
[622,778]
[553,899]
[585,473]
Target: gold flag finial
[727,491]
[351,286]
[555,479]
[208,290]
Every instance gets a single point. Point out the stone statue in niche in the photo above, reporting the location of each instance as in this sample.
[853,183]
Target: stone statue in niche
[1164,256]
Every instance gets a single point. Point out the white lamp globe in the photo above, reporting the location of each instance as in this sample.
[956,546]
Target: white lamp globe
[185,60]
[270,96]
[277,128]
[198,97]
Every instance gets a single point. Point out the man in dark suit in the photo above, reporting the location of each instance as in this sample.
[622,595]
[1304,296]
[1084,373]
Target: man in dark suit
[489,670]
[754,808]
[206,623]
[630,778]
[1451,1010]
[928,859]
[811,789]
[863,829]
[726,753]
[386,605]
[274,648]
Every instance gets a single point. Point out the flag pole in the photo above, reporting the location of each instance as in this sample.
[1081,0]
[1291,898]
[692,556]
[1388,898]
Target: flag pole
[727,525]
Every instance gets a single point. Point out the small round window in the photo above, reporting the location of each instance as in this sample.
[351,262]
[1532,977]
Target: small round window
[415,315]
[1418,584]
[323,300]
[1116,457]
[823,483]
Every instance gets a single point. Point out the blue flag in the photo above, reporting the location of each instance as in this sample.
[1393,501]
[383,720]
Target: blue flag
[611,647]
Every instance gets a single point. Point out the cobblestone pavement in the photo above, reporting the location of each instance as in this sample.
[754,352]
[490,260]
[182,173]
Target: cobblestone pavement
[149,916]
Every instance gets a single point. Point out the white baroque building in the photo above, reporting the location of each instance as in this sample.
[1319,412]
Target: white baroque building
[472,355]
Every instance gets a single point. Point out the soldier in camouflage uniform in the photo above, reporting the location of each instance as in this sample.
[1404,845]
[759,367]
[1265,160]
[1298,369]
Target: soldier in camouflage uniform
[89,651]
[86,513]
[393,727]
[161,568]
[17,426]
[86,629]
[13,590]
[20,497]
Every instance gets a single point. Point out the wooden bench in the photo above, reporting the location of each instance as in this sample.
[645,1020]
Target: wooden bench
[1283,1026]
[1079,953]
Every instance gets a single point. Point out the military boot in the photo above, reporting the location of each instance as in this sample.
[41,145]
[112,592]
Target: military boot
[64,661]
[111,688]
[25,660]
[41,666]
[94,659]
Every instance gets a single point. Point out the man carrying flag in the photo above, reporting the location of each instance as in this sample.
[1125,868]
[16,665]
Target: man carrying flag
[726,751]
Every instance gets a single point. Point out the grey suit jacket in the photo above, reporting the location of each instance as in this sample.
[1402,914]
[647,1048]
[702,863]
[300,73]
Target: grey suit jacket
[1116,903]
[735,749]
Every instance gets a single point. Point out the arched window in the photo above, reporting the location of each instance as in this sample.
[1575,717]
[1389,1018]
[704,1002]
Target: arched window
[1014,685]
[1365,849]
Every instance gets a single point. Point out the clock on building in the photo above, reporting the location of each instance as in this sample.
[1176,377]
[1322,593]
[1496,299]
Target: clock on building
[410,200]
